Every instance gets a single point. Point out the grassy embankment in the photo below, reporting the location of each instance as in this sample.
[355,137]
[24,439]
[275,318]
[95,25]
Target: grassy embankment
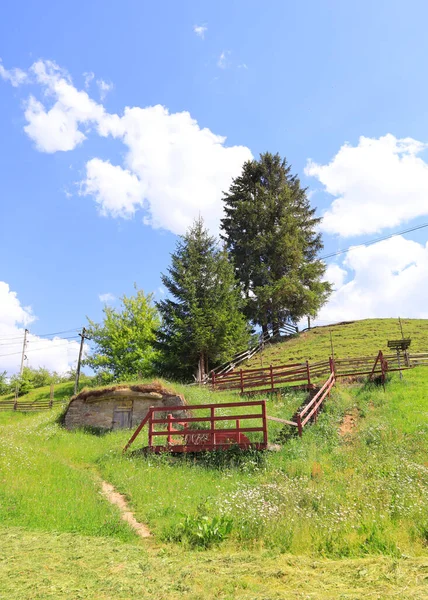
[358,338]
[328,516]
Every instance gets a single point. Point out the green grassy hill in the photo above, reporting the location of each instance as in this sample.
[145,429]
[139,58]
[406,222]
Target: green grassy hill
[340,513]
[357,338]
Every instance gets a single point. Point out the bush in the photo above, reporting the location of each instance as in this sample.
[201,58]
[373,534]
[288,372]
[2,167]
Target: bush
[201,531]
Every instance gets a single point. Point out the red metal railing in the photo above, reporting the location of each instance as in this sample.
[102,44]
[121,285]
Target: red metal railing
[182,438]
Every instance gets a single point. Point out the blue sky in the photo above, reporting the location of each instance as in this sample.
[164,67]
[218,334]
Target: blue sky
[92,196]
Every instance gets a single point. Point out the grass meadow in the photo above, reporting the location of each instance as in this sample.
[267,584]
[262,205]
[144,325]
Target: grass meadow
[332,515]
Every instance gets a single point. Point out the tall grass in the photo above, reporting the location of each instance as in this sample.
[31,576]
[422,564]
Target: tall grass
[323,495]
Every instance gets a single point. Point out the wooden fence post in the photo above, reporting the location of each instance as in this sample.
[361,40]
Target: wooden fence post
[212,425]
[213,380]
[51,397]
[242,381]
[169,427]
[150,427]
[332,366]
[238,431]
[299,425]
[308,373]
[264,419]
[271,378]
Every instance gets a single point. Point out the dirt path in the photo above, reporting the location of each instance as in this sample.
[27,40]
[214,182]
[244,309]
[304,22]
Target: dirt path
[349,423]
[127,515]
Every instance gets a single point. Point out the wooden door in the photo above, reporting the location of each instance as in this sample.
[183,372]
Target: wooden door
[122,418]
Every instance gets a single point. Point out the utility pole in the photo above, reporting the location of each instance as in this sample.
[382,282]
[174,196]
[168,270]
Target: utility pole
[401,327]
[76,383]
[21,370]
[309,322]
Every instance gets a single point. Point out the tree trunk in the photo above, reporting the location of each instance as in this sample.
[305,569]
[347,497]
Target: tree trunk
[265,331]
[200,373]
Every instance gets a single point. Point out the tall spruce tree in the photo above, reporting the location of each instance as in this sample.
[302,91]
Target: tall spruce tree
[202,320]
[270,232]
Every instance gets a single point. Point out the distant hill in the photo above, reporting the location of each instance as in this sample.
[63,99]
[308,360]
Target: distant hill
[355,338]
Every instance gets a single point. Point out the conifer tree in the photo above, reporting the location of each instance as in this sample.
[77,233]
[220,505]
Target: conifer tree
[270,232]
[202,320]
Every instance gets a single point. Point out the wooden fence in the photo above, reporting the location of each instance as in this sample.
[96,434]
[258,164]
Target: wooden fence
[197,438]
[27,406]
[306,375]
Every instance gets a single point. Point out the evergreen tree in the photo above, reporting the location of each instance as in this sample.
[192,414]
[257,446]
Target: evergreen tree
[124,341]
[202,322]
[270,232]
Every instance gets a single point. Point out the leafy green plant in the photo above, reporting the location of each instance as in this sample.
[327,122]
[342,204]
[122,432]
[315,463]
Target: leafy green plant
[201,531]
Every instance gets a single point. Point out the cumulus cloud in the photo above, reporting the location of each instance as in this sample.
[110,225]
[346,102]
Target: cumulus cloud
[200,30]
[386,279]
[107,298]
[182,169]
[55,354]
[173,169]
[377,184]
[59,127]
[117,191]
[14,76]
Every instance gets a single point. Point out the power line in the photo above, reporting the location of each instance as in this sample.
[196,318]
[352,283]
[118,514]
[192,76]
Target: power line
[19,337]
[369,243]
[36,349]
[41,341]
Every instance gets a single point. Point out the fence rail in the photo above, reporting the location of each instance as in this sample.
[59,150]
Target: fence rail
[268,379]
[26,406]
[182,438]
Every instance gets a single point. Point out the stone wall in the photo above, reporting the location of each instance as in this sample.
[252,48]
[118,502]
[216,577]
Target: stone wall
[118,408]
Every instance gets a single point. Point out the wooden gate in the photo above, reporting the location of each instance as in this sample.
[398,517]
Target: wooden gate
[202,433]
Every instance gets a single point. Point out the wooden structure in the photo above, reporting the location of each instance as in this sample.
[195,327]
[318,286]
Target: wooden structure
[169,433]
[119,407]
[311,409]
[309,375]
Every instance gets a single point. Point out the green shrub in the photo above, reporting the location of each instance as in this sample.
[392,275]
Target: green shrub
[201,531]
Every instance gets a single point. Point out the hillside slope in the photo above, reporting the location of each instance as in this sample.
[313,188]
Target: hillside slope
[339,513]
[356,338]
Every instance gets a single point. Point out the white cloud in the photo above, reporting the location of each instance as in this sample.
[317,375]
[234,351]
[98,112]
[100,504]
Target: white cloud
[386,279]
[173,168]
[58,129]
[117,191]
[107,298]
[335,275]
[222,61]
[378,184]
[200,30]
[14,76]
[55,354]
[88,78]
[182,169]
[104,88]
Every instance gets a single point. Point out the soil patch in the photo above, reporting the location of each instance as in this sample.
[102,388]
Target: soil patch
[349,423]
[127,515]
